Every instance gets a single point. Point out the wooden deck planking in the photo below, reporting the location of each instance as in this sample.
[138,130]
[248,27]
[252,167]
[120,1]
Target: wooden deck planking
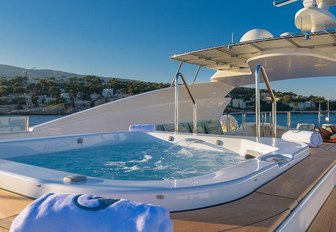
[10,206]
[297,181]
[257,211]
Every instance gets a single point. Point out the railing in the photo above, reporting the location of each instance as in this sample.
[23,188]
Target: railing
[261,71]
[287,118]
[176,121]
[14,124]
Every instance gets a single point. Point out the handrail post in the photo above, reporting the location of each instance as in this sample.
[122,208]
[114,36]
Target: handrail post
[243,120]
[257,102]
[176,121]
[274,118]
[228,122]
[196,74]
[195,119]
[319,115]
[288,119]
[27,124]
[177,72]
[260,70]
[263,121]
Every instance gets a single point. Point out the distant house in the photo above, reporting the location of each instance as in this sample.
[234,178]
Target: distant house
[49,100]
[10,98]
[95,96]
[107,92]
[66,97]
[238,103]
[28,99]
[295,105]
[61,79]
[44,99]
[308,105]
[266,97]
[41,99]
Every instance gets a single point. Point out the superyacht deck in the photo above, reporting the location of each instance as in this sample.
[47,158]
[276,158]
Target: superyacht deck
[263,210]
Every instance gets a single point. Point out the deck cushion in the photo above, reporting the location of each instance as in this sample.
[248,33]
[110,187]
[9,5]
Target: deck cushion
[213,127]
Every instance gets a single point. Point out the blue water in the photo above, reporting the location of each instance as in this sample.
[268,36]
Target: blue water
[38,119]
[136,161]
[295,118]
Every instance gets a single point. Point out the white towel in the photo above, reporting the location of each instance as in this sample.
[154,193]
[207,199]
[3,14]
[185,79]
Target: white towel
[81,213]
[312,138]
[142,128]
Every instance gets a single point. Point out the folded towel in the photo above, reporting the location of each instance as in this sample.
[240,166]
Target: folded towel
[75,212]
[142,128]
[312,138]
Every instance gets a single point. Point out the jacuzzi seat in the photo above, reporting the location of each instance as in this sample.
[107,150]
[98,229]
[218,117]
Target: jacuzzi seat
[277,158]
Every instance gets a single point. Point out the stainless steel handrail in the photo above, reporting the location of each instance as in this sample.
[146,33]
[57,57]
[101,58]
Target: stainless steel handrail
[196,74]
[177,71]
[177,104]
[27,124]
[260,70]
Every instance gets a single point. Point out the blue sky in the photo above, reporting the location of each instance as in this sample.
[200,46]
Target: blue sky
[134,38]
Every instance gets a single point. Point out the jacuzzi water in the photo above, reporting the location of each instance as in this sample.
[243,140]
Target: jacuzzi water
[135,161]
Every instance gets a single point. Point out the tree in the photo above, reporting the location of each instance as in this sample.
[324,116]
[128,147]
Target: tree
[3,91]
[18,88]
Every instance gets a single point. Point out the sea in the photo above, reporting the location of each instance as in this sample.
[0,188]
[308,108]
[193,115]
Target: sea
[296,117]
[38,119]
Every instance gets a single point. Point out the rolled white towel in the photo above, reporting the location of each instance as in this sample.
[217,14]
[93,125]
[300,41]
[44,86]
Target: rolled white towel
[142,128]
[81,213]
[311,138]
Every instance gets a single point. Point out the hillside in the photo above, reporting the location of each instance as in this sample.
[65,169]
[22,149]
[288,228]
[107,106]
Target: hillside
[11,71]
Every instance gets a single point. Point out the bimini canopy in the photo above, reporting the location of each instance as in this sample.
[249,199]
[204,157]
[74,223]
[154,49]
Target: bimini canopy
[285,57]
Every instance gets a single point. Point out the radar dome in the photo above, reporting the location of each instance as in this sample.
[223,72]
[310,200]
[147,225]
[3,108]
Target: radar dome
[256,34]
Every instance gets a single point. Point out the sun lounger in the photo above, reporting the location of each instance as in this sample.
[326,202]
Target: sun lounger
[325,134]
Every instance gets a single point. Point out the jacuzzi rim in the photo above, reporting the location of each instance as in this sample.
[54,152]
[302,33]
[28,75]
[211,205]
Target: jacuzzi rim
[166,184]
[208,176]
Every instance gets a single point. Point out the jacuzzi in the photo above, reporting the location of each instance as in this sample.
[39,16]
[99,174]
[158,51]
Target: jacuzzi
[268,159]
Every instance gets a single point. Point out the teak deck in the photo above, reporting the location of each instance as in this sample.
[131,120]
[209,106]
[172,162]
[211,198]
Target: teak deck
[263,210]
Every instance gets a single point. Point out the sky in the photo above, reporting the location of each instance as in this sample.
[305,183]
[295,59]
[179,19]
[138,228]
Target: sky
[134,39]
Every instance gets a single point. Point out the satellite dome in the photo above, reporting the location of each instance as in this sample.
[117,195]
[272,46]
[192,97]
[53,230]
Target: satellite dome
[256,34]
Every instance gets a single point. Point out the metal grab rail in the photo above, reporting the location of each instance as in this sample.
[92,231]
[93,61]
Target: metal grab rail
[176,121]
[260,70]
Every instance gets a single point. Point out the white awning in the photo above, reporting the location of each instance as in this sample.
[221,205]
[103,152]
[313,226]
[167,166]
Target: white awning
[235,56]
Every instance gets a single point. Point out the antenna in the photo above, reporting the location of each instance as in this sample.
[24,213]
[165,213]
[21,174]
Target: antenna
[314,16]
[280,3]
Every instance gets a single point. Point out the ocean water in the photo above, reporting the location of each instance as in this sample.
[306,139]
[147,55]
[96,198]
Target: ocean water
[135,161]
[295,118]
[38,119]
